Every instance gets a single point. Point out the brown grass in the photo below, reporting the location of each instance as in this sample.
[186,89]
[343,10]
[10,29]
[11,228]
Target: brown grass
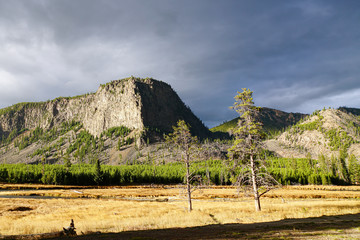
[211,206]
[213,192]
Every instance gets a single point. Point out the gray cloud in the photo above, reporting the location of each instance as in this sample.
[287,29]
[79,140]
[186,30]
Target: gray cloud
[294,55]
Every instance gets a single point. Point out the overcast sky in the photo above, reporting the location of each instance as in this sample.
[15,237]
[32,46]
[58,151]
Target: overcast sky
[296,55]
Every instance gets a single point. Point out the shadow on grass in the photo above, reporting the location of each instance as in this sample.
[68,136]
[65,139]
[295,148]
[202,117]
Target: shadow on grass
[325,227]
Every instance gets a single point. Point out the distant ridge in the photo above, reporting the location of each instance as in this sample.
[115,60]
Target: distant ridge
[272,120]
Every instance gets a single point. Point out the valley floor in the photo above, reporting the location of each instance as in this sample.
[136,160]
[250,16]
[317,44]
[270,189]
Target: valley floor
[135,212]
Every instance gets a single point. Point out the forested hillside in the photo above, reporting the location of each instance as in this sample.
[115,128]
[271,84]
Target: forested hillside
[273,121]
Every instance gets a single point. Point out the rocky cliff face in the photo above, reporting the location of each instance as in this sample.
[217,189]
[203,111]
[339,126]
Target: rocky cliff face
[132,102]
[162,108]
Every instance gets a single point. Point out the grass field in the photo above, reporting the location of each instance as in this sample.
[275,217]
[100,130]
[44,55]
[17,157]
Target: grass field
[156,207]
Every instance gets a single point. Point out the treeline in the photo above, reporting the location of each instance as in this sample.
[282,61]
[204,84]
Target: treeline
[94,174]
[285,170]
[323,171]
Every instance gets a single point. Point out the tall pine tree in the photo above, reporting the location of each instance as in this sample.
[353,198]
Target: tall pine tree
[246,148]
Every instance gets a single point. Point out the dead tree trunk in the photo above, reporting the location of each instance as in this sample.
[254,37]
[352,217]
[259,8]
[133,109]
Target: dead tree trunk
[188,186]
[184,142]
[255,187]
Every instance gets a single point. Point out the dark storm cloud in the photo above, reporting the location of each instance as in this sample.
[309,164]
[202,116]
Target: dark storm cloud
[295,55]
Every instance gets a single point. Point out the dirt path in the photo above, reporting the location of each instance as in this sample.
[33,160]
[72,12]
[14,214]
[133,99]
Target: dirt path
[326,227]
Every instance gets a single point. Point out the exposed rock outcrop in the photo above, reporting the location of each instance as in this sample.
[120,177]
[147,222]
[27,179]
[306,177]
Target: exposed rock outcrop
[133,102]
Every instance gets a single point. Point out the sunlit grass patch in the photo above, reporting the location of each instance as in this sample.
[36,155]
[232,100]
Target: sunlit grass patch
[115,214]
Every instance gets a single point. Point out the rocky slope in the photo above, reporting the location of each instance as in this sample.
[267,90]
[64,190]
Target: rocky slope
[324,133]
[272,120]
[144,107]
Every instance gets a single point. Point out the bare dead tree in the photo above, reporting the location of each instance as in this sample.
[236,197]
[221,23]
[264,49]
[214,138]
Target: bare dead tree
[186,146]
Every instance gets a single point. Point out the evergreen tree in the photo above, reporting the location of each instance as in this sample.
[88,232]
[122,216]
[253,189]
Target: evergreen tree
[98,175]
[323,163]
[343,170]
[67,161]
[247,147]
[354,169]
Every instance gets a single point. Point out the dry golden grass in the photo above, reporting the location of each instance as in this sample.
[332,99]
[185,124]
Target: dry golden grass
[211,206]
[213,192]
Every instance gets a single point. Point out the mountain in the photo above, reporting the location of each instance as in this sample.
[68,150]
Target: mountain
[133,102]
[272,120]
[116,115]
[324,133]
